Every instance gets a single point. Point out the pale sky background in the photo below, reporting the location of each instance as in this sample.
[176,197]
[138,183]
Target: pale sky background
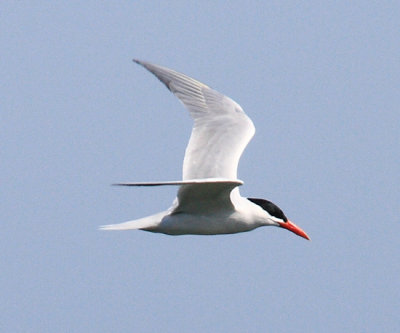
[320,79]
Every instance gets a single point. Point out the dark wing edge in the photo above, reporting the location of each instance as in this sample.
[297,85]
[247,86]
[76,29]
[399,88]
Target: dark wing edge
[233,182]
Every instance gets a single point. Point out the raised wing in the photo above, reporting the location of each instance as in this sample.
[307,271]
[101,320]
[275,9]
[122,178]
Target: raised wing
[205,198]
[221,129]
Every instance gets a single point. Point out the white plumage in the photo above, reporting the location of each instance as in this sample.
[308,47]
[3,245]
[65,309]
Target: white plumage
[208,200]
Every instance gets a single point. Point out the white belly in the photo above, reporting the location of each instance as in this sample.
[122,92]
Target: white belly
[183,224]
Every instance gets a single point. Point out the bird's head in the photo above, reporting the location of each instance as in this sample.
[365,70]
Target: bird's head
[278,218]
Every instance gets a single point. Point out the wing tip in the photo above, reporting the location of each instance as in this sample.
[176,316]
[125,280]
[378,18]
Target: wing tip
[158,71]
[106,227]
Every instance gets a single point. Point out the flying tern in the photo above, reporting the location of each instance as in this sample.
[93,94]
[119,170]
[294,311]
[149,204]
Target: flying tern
[208,201]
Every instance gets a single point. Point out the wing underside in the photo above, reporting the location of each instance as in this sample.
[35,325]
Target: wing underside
[199,195]
[205,198]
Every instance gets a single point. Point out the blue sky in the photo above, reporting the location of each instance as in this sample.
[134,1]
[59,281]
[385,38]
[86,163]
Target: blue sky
[320,81]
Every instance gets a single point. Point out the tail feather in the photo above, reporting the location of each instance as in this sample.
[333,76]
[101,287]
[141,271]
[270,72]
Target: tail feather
[144,223]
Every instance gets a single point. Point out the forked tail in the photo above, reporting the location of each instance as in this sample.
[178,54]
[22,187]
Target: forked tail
[145,223]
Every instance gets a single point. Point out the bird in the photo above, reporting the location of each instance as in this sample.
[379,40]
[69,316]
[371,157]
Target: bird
[208,200]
